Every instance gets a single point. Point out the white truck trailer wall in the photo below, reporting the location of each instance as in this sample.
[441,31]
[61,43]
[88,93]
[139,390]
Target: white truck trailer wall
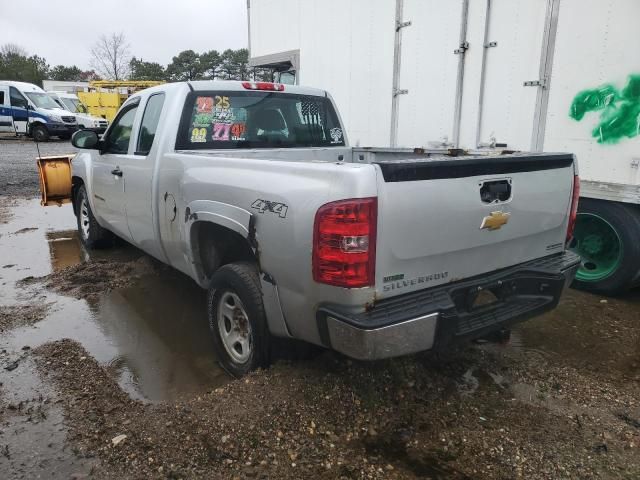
[428,71]
[346,48]
[590,74]
[597,54]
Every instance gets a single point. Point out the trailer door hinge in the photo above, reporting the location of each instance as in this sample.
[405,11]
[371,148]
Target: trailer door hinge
[400,24]
[490,44]
[536,83]
[398,91]
[464,46]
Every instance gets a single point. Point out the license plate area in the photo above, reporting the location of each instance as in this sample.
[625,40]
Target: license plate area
[483,297]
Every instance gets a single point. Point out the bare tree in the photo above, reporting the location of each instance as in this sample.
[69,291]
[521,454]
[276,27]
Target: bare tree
[110,56]
[12,49]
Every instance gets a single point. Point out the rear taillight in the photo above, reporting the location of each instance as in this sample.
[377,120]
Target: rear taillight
[344,243]
[574,207]
[274,87]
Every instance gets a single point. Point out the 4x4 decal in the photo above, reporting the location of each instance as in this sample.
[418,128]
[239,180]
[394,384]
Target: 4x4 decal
[274,207]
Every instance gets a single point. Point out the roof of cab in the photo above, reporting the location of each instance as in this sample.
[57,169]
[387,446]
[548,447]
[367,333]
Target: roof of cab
[23,86]
[233,85]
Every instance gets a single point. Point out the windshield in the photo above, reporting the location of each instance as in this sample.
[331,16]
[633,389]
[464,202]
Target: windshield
[73,105]
[42,100]
[258,119]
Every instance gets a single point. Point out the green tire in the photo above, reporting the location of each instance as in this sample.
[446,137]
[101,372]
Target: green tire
[607,238]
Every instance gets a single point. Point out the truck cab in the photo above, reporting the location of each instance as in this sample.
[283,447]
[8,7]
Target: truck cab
[71,102]
[27,109]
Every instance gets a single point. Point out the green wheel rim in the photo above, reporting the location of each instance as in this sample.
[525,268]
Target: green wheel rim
[599,246]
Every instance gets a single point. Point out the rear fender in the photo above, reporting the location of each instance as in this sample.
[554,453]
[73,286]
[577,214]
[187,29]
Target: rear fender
[239,221]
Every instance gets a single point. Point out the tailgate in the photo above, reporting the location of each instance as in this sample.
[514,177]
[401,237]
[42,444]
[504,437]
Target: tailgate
[448,219]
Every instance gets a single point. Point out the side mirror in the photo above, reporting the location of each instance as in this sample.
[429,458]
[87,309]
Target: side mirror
[85,139]
[28,106]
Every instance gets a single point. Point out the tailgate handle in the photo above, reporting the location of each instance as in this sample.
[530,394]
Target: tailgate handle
[495,191]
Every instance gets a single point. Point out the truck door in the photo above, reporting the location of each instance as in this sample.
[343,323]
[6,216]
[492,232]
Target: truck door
[19,105]
[108,175]
[6,119]
[137,172]
[510,72]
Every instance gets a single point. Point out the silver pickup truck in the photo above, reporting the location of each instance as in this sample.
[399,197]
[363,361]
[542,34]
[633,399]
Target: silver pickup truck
[251,189]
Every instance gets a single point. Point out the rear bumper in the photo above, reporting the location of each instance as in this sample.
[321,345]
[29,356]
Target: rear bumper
[436,317]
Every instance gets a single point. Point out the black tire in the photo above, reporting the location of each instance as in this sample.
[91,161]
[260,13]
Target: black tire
[91,234]
[40,133]
[625,220]
[249,320]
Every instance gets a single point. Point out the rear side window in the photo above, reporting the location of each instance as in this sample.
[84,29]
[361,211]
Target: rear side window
[149,123]
[257,120]
[1,98]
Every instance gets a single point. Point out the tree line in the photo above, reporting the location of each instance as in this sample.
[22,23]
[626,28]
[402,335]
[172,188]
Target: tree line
[111,59]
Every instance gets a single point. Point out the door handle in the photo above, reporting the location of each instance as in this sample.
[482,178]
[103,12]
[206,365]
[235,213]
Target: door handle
[117,172]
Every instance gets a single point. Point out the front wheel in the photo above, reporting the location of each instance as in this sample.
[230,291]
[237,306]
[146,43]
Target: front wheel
[237,320]
[92,235]
[606,238]
[40,133]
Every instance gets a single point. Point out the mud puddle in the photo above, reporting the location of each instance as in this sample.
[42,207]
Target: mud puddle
[152,335]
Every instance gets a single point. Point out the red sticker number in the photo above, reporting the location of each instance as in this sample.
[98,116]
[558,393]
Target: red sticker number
[237,130]
[205,104]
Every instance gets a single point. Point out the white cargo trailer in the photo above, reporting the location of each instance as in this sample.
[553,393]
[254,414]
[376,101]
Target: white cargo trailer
[552,75]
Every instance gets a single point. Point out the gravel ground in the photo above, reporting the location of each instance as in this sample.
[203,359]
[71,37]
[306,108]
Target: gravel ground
[18,162]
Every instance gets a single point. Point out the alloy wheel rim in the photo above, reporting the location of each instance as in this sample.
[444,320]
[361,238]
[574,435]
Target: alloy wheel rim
[84,218]
[599,246]
[234,327]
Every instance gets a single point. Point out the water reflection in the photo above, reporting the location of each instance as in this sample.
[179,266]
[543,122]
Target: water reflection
[153,336]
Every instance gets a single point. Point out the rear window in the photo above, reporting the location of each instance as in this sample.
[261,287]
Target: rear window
[257,120]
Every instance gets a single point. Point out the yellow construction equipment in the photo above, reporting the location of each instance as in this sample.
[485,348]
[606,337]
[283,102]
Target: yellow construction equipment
[105,97]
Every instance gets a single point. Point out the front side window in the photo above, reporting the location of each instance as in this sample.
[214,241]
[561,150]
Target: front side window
[42,100]
[119,135]
[17,100]
[149,123]
[258,119]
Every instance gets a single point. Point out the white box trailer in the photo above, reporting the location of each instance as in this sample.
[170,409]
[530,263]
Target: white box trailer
[533,75]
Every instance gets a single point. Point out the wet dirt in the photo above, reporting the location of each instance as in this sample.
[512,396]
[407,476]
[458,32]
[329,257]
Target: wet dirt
[99,345]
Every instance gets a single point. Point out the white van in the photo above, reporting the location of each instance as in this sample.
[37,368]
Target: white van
[27,109]
[71,102]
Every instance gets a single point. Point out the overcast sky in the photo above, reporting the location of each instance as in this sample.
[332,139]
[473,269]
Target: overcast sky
[63,31]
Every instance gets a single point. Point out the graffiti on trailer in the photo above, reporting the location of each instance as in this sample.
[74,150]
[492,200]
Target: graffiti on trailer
[619,110]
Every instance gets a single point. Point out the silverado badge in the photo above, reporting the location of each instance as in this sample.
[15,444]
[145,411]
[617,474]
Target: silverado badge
[495,221]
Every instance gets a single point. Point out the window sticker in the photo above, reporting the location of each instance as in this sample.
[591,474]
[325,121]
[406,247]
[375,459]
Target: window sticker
[222,102]
[204,104]
[237,131]
[202,120]
[336,135]
[221,131]
[198,135]
[222,115]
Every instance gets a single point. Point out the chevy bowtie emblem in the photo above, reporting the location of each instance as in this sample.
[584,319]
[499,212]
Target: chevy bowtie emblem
[495,221]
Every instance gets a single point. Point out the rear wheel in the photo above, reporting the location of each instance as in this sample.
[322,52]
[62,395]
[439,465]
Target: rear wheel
[92,235]
[237,320]
[606,238]
[40,133]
